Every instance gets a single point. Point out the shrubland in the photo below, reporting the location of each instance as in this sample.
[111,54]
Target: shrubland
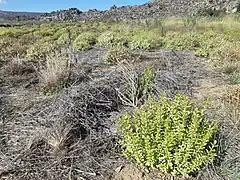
[173,135]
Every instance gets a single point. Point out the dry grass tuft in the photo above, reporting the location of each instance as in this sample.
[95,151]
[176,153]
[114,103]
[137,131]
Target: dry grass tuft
[58,138]
[56,73]
[232,97]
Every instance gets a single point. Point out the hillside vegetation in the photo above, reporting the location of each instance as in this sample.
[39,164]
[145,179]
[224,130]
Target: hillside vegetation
[134,99]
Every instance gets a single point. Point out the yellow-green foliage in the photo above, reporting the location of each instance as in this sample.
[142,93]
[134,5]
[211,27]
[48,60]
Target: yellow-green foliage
[60,32]
[64,39]
[13,32]
[82,42]
[118,54]
[46,30]
[182,41]
[171,136]
[228,57]
[146,39]
[111,39]
[41,49]
[213,38]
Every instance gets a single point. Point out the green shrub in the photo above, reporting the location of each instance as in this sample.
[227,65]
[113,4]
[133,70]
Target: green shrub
[146,39]
[174,137]
[82,42]
[111,39]
[182,41]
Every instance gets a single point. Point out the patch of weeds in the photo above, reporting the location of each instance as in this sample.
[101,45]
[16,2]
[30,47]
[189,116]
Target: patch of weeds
[119,54]
[146,39]
[190,23]
[83,41]
[55,76]
[138,87]
[41,49]
[111,39]
[182,41]
[171,136]
[232,97]
[156,24]
[64,39]
[15,47]
[228,57]
[46,30]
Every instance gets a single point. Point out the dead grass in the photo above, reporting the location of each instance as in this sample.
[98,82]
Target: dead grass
[56,73]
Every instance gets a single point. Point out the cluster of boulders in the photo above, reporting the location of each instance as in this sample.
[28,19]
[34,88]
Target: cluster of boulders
[229,6]
[154,9]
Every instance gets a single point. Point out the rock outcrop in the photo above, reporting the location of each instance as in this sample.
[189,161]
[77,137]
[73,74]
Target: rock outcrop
[154,9]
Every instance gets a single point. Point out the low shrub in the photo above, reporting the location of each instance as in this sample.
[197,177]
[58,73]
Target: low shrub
[146,39]
[111,39]
[228,57]
[41,49]
[211,12]
[182,41]
[118,54]
[15,47]
[171,136]
[82,42]
[232,97]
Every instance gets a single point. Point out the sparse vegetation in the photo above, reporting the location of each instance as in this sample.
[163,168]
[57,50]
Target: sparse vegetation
[99,70]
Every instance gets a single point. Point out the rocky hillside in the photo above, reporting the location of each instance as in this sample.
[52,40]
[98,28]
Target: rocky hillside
[157,8]
[154,9]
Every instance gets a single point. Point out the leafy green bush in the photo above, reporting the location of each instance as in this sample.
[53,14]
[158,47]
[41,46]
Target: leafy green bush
[174,137]
[82,42]
[182,41]
[146,39]
[111,39]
